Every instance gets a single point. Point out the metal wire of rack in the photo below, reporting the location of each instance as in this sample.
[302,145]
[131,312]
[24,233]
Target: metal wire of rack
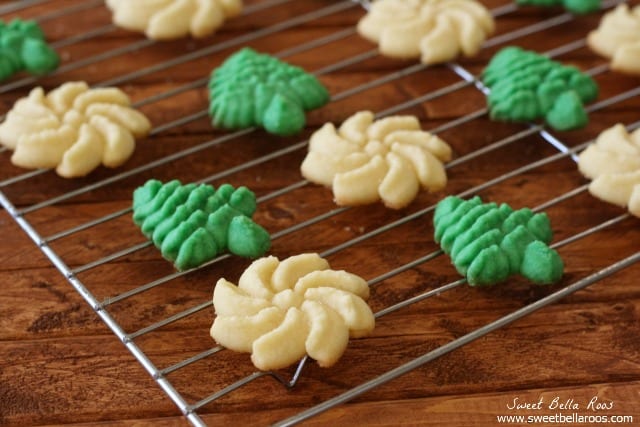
[465,79]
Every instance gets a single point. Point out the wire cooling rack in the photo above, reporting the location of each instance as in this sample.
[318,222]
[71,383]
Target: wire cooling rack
[458,80]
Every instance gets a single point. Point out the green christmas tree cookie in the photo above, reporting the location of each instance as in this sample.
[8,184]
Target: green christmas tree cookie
[23,47]
[526,86]
[253,89]
[488,243]
[573,6]
[191,224]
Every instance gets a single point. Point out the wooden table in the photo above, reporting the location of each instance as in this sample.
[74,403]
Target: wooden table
[60,364]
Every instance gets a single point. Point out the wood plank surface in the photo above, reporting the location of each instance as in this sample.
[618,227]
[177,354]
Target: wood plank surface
[61,365]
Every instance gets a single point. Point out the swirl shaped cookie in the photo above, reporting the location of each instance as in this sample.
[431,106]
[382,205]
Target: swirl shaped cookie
[23,47]
[253,89]
[281,311]
[526,86]
[488,243]
[73,129]
[191,224]
[618,38]
[435,30]
[365,160]
[613,163]
[172,19]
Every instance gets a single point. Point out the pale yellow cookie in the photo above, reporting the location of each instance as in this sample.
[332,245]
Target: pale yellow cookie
[613,163]
[622,189]
[171,19]
[435,30]
[73,129]
[284,310]
[365,160]
[618,38]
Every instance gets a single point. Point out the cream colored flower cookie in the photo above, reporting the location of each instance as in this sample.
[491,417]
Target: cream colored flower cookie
[618,38]
[171,19]
[613,163]
[73,129]
[435,30]
[281,311]
[365,160]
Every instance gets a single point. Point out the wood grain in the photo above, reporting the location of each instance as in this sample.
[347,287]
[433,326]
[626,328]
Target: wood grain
[60,365]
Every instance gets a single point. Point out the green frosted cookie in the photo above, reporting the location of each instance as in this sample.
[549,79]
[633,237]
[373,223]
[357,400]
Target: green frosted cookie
[191,224]
[23,47]
[488,243]
[526,86]
[253,89]
[573,6]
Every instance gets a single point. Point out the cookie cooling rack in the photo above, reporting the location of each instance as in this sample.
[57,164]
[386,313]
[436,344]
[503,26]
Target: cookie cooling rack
[144,302]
